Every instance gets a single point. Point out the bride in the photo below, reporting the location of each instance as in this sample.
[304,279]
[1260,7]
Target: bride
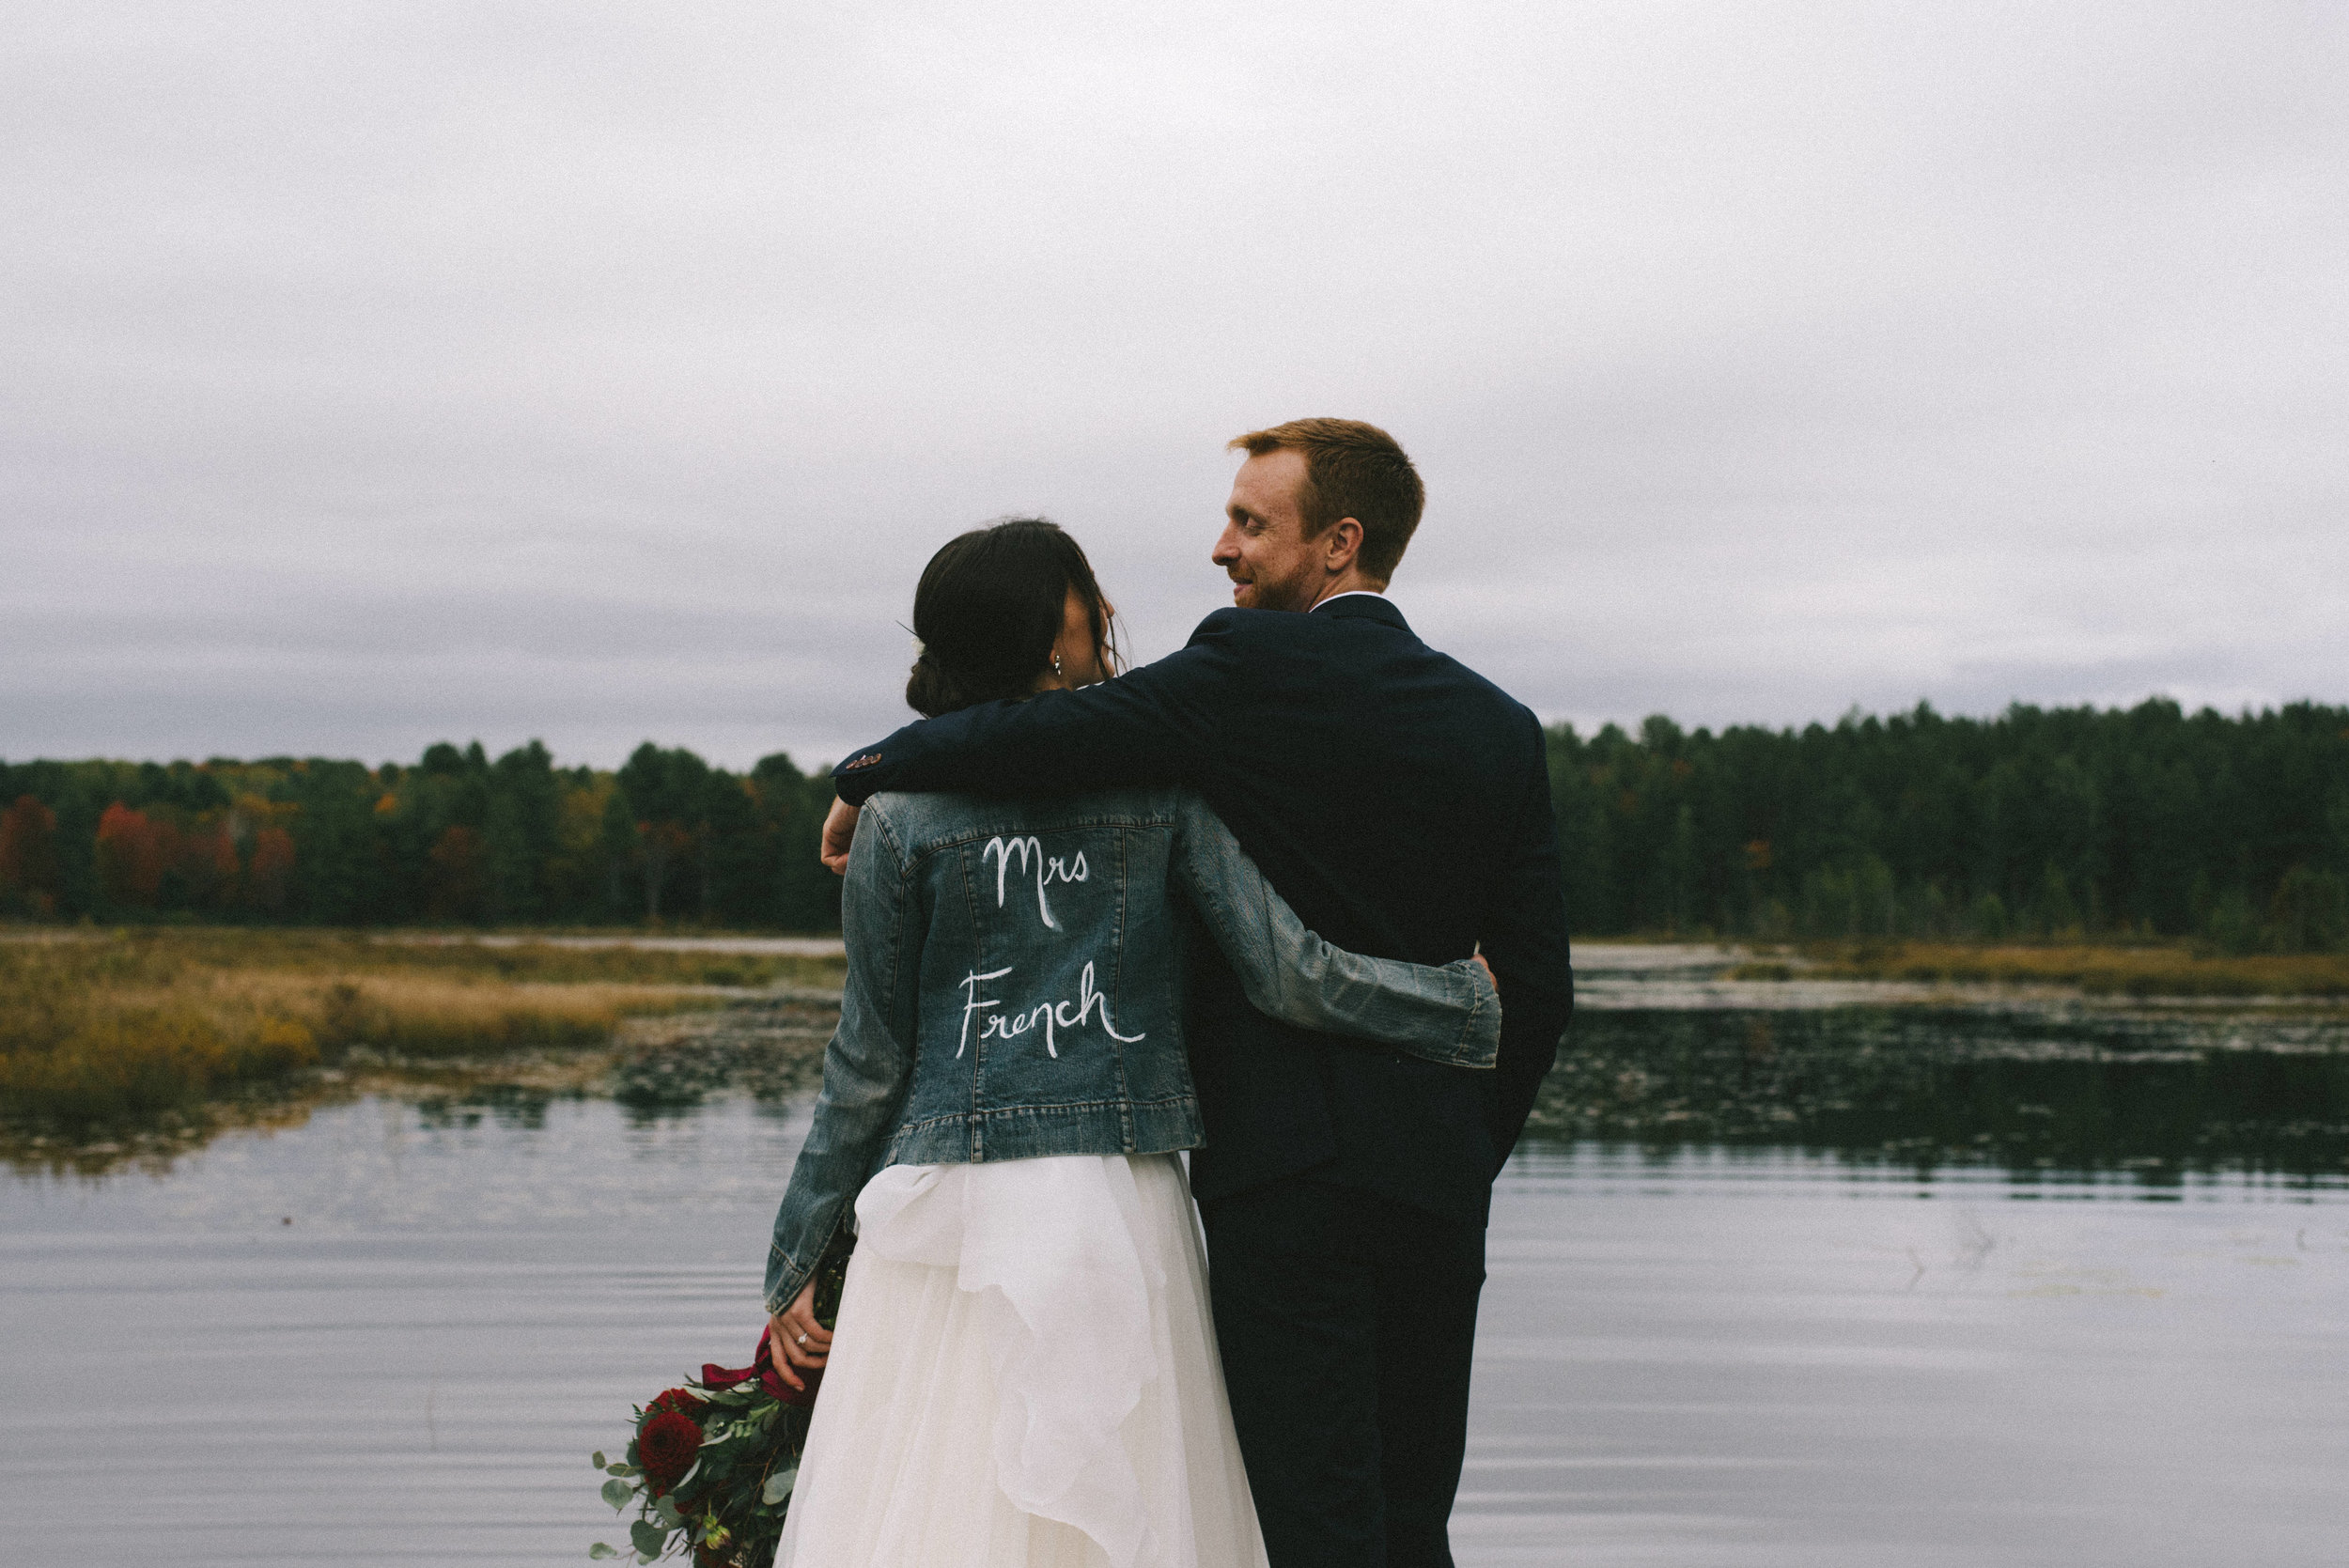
[1024,1373]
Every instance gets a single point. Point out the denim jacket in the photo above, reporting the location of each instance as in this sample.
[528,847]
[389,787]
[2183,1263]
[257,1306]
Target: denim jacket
[1015,990]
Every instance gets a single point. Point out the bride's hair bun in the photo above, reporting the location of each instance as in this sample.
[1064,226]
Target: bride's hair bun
[930,691]
[988,609]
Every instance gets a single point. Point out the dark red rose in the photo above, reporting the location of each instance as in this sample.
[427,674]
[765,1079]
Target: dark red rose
[665,1446]
[685,1401]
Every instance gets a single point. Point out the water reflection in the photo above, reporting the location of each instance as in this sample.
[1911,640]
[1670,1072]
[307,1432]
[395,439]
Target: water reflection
[386,1323]
[1927,1090]
[393,1333]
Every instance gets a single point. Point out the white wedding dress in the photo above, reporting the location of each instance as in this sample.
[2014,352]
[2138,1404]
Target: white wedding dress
[1024,1376]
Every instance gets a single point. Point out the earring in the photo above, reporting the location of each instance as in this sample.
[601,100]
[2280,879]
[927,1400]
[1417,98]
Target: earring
[1056,664]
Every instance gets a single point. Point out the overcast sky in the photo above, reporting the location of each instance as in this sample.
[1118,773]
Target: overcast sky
[371,374]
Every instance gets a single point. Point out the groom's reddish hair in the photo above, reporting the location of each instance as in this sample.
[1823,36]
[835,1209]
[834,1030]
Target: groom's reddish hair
[1352,470]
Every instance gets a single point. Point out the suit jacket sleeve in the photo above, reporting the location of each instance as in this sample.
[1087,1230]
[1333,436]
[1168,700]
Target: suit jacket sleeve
[1523,936]
[1152,725]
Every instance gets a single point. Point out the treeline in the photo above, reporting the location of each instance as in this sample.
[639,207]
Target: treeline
[2041,822]
[456,839]
[2147,821]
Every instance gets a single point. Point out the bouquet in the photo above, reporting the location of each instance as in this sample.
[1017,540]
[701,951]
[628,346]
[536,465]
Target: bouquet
[712,1465]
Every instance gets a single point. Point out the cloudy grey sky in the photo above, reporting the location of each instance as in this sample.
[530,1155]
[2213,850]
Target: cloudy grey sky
[375,374]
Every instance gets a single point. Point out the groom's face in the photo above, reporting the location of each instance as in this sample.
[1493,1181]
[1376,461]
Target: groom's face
[1264,550]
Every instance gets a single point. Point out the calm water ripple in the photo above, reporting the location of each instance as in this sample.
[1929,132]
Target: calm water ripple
[1807,1320]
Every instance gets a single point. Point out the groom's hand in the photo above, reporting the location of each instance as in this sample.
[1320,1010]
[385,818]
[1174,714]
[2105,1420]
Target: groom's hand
[1488,971]
[839,832]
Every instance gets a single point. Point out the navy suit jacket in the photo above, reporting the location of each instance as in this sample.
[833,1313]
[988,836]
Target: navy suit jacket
[1396,798]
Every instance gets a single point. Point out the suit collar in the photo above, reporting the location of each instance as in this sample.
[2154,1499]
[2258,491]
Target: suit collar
[1362,606]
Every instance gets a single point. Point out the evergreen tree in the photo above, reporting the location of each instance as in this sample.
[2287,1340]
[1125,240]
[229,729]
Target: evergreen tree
[2042,822]
[521,829]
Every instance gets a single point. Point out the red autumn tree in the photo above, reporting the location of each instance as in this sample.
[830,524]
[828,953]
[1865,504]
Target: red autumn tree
[269,875]
[132,852]
[29,870]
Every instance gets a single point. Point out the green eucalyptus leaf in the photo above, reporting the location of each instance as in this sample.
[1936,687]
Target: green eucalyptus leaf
[664,1509]
[599,1460]
[600,1552]
[619,1469]
[779,1486]
[649,1537]
[616,1493]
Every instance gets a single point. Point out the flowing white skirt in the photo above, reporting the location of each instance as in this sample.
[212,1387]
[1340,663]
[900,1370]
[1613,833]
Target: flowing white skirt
[1024,1376]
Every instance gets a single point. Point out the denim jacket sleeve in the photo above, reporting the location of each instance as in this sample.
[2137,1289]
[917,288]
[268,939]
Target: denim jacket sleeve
[868,1064]
[1449,1014]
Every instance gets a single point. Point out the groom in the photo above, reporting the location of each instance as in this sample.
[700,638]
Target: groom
[1401,804]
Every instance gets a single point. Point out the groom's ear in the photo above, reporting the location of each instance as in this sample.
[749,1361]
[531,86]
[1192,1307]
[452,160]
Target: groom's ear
[1341,546]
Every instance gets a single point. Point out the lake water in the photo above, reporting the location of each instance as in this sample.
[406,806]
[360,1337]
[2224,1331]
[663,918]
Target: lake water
[1922,1282]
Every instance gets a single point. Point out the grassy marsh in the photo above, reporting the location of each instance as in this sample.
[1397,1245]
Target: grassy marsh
[104,1028]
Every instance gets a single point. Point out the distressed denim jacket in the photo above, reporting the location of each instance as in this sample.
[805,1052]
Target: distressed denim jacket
[1015,990]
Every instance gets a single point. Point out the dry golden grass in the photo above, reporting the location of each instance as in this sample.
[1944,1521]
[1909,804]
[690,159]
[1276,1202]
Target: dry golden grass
[344,953]
[2168,971]
[102,1029]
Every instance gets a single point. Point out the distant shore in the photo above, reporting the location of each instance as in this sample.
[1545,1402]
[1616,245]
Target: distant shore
[2131,969]
[112,1028]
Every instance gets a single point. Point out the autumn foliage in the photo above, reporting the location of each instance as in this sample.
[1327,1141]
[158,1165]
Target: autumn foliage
[455,839]
[208,863]
[130,855]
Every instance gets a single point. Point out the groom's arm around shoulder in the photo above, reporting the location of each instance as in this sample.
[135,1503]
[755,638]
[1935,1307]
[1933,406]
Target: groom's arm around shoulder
[1151,725]
[1523,937]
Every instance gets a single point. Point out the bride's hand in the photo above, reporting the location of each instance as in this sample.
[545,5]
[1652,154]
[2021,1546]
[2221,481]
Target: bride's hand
[795,1341]
[839,832]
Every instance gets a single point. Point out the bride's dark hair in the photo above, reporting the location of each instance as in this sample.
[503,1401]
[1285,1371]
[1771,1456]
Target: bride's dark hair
[988,609]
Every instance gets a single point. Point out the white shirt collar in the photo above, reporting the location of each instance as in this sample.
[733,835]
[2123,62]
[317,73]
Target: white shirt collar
[1352,593]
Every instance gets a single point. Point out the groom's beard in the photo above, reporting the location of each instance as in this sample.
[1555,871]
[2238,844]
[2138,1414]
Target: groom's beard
[1295,593]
